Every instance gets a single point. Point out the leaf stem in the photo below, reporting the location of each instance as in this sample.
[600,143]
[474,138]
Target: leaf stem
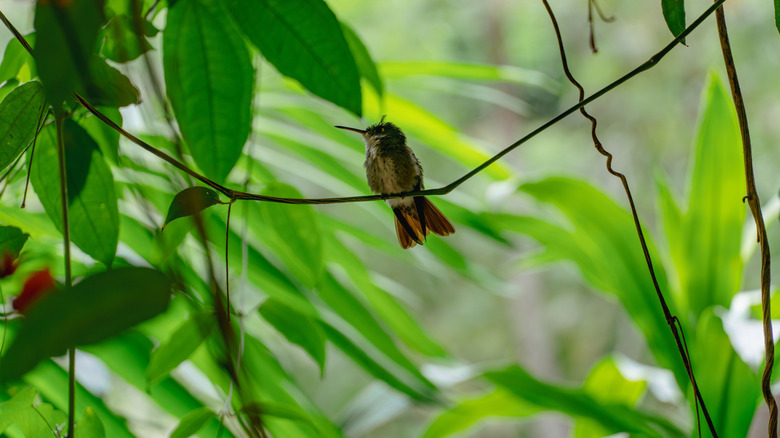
[755,208]
[59,117]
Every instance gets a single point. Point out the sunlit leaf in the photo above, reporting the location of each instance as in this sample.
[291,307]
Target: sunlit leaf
[707,253]
[16,56]
[191,423]
[51,381]
[365,63]
[574,402]
[297,328]
[303,40]
[20,113]
[209,80]
[674,14]
[33,419]
[90,426]
[468,413]
[92,209]
[190,201]
[95,309]
[180,345]
[470,72]
[67,34]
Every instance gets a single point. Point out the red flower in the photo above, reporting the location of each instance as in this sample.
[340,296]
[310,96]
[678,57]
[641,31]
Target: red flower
[36,286]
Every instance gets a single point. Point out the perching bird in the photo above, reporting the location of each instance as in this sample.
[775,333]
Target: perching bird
[392,168]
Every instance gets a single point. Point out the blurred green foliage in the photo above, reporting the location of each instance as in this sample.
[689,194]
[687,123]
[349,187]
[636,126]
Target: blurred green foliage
[331,329]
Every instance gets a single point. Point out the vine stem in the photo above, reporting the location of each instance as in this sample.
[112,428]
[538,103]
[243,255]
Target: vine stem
[671,320]
[59,117]
[755,209]
[236,194]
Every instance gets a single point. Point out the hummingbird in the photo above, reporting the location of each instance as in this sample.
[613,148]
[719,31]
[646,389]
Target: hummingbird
[392,168]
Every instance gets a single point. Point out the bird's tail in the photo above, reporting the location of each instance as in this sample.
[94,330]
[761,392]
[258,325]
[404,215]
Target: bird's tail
[411,230]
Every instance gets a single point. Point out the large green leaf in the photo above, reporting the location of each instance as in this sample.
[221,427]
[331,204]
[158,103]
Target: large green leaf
[67,35]
[191,423]
[190,201]
[92,206]
[90,426]
[292,232]
[602,241]
[121,41]
[95,309]
[209,80]
[20,113]
[674,14]
[303,40]
[706,250]
[577,403]
[109,87]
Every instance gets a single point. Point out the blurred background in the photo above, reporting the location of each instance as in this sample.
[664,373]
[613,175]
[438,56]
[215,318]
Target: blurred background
[488,302]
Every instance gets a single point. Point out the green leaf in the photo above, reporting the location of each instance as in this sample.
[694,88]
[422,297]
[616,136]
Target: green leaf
[351,310]
[777,14]
[20,113]
[67,34]
[469,72]
[52,382]
[190,201]
[105,136]
[15,57]
[468,413]
[95,309]
[298,329]
[185,340]
[602,241]
[90,426]
[292,232]
[92,204]
[122,43]
[209,79]
[674,14]
[109,87]
[12,240]
[574,402]
[707,253]
[726,383]
[382,303]
[365,361]
[365,63]
[303,40]
[33,419]
[191,423]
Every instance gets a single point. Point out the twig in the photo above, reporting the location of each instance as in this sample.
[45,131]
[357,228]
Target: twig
[755,208]
[670,319]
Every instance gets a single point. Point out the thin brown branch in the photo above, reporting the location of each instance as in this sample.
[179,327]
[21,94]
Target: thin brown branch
[755,208]
[670,319]
[235,194]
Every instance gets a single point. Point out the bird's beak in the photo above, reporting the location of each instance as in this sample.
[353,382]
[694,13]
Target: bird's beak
[359,131]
